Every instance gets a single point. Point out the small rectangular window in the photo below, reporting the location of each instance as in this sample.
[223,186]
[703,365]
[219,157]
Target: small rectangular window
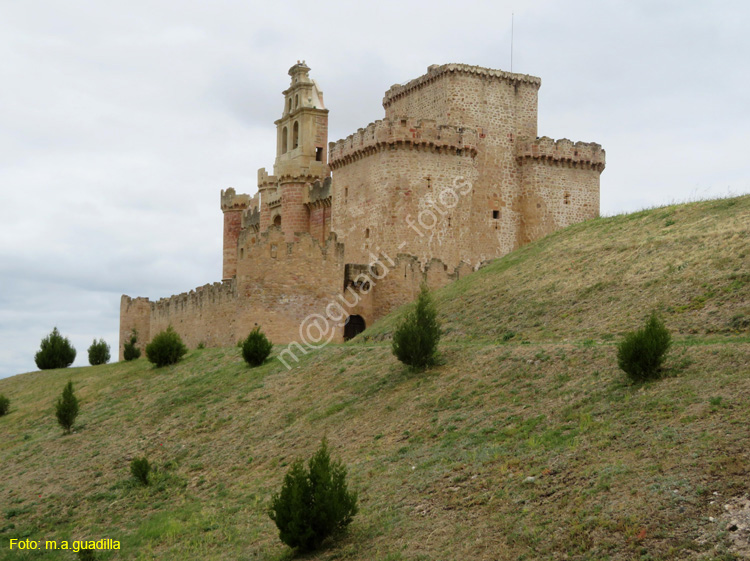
[495,214]
[318,154]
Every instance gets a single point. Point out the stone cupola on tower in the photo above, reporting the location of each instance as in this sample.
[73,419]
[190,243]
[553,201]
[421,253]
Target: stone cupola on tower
[302,130]
[301,155]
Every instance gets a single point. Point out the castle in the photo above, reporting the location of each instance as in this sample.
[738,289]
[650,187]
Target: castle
[344,232]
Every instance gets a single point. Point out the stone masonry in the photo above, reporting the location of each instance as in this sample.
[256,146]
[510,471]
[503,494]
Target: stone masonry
[342,233]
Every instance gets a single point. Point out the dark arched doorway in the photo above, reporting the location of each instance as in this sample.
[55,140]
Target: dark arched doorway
[353,327]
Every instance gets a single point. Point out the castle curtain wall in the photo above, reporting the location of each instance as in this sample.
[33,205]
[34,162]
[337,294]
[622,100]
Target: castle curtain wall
[404,279]
[205,315]
[277,286]
[281,283]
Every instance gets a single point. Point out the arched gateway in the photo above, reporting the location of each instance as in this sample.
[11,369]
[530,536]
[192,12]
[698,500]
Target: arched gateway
[353,327]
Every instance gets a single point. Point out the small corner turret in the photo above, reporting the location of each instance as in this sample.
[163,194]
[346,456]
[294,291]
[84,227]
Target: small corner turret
[232,205]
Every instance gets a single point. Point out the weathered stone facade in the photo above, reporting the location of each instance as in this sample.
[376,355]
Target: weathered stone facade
[455,175]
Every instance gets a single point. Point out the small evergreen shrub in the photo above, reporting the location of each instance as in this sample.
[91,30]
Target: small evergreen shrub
[166,348]
[86,554]
[66,408]
[4,405]
[313,503]
[129,350]
[140,468]
[99,352]
[256,348]
[641,353]
[415,341]
[55,352]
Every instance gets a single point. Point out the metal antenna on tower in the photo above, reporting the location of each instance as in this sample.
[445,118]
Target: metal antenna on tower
[511,42]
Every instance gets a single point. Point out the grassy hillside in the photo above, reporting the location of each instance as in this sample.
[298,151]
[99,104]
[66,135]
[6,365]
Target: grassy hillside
[597,279]
[526,443]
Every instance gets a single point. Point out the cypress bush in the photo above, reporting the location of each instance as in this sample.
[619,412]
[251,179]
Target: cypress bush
[66,408]
[140,469]
[129,350]
[99,352]
[256,348]
[55,352]
[4,405]
[313,503]
[641,353]
[415,341]
[85,554]
[166,348]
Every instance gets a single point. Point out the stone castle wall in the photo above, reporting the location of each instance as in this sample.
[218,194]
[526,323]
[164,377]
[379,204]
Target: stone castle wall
[470,96]
[135,313]
[454,176]
[278,286]
[559,185]
[501,107]
[405,187]
[320,222]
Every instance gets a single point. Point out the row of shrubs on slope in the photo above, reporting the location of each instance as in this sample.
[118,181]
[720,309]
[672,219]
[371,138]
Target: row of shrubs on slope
[166,348]
[640,354]
[56,351]
[314,502]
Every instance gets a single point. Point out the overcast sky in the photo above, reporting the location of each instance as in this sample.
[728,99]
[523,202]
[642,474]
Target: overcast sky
[121,121]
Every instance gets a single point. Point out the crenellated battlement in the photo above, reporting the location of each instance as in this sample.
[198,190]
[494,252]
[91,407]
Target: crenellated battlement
[436,71]
[251,218]
[133,301]
[331,249]
[561,152]
[202,295]
[274,200]
[403,132]
[265,181]
[230,200]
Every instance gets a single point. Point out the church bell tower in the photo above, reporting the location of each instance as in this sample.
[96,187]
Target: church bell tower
[301,147]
